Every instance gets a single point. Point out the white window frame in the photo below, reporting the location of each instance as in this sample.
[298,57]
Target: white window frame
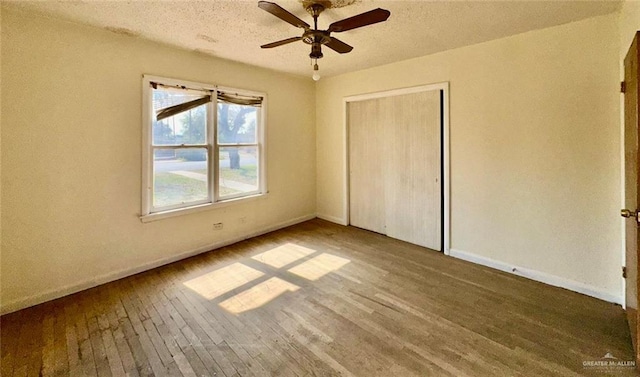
[148,212]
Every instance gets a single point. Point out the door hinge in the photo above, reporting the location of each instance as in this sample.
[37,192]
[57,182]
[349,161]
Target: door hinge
[624,272]
[623,87]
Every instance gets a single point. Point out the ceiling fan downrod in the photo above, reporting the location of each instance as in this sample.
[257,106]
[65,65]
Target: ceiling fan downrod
[316,38]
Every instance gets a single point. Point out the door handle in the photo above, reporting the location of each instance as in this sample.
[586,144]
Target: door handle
[628,213]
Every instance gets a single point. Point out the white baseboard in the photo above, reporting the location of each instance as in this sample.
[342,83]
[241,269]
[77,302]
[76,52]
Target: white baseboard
[542,277]
[333,219]
[53,294]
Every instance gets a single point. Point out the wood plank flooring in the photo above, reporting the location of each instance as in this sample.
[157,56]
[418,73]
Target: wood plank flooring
[317,299]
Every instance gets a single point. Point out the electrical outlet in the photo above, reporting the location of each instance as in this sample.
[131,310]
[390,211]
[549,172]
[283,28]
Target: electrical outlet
[217,226]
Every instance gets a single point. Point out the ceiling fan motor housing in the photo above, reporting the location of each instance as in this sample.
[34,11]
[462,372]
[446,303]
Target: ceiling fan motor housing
[315,36]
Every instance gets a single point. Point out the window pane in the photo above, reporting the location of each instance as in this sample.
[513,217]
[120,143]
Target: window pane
[238,170]
[179,176]
[188,127]
[237,123]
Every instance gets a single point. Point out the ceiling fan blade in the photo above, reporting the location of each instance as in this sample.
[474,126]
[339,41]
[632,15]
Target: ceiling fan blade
[363,19]
[282,42]
[282,14]
[338,46]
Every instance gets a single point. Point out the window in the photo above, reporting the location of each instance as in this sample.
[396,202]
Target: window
[203,145]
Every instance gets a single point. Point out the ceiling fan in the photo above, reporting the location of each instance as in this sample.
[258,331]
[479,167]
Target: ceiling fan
[316,38]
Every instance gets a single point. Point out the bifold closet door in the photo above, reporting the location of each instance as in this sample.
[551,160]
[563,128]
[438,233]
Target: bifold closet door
[395,167]
[412,168]
[366,191]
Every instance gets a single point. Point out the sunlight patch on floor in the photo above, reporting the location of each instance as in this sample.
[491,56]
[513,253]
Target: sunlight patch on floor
[217,283]
[258,295]
[223,280]
[283,255]
[317,267]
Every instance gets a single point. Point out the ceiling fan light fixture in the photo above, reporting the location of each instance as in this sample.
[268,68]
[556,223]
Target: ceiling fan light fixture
[316,51]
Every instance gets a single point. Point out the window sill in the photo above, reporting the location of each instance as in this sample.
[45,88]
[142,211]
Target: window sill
[198,208]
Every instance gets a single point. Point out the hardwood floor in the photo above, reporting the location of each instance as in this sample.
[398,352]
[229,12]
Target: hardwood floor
[317,299]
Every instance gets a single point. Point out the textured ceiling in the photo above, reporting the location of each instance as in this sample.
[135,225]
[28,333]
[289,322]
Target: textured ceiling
[235,29]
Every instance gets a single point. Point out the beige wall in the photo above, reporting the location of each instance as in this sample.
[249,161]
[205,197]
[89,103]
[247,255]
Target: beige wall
[71,156]
[535,148]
